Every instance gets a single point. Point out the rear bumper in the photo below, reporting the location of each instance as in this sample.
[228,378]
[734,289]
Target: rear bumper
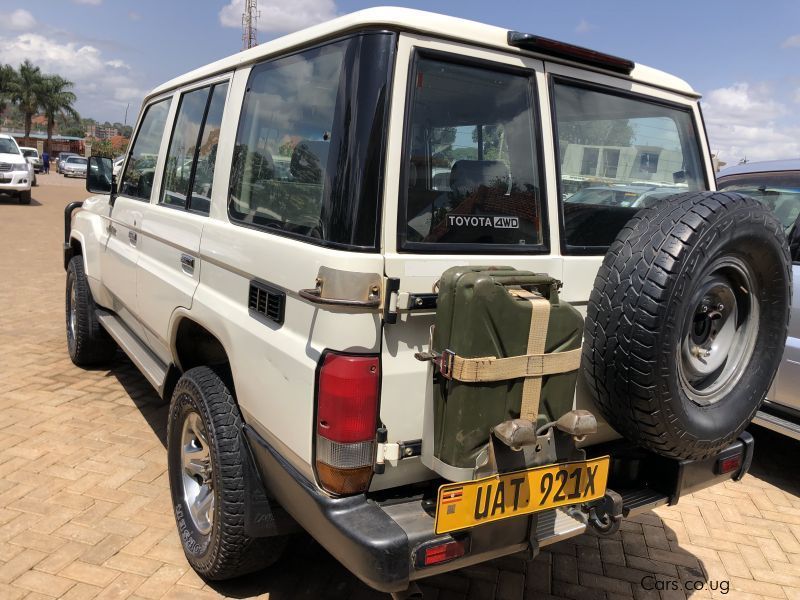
[379,541]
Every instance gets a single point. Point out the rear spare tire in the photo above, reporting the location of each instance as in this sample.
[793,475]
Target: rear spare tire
[687,322]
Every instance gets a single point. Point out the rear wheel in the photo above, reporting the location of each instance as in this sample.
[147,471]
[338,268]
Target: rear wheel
[206,475]
[687,322]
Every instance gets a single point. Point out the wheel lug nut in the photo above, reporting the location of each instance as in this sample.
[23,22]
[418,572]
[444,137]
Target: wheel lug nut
[704,308]
[720,307]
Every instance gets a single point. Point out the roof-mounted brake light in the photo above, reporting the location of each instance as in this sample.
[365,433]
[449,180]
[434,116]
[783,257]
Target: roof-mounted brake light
[535,43]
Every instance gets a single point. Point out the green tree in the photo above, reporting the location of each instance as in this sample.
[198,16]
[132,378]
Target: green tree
[8,77]
[103,148]
[27,92]
[492,140]
[57,100]
[73,130]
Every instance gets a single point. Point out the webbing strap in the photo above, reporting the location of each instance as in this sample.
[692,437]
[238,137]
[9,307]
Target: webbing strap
[490,368]
[537,335]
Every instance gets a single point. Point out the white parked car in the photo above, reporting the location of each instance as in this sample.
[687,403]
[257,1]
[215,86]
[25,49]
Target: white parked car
[32,154]
[117,165]
[272,255]
[16,173]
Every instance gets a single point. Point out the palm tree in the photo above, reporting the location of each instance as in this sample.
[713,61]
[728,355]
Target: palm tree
[7,78]
[27,92]
[57,99]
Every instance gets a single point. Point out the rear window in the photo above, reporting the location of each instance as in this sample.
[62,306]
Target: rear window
[471,164]
[618,154]
[779,191]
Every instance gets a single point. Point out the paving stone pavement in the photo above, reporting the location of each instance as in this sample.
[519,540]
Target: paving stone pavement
[84,499]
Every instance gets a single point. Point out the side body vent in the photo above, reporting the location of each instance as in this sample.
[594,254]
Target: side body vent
[266,302]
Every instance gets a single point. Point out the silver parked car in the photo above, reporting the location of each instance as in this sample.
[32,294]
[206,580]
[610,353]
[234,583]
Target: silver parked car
[777,184]
[74,166]
[62,158]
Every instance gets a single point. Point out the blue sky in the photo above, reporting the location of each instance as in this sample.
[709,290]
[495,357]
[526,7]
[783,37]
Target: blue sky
[743,56]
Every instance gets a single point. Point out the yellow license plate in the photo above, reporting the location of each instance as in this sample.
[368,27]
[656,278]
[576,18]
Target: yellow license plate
[470,503]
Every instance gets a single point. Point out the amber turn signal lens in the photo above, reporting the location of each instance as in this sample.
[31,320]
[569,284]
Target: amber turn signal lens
[343,481]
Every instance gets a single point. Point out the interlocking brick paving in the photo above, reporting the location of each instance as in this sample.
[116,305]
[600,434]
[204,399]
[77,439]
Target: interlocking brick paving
[84,499]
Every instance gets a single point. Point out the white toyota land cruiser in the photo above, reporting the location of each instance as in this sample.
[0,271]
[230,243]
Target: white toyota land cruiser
[290,223]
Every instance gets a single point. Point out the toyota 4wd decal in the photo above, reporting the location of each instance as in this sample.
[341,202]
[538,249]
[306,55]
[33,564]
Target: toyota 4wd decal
[494,222]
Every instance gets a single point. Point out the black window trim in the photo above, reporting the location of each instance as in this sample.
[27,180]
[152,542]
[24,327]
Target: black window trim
[404,246]
[211,86]
[554,79]
[390,67]
[167,97]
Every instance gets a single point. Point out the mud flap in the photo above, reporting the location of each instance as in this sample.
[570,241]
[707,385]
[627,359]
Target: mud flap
[264,517]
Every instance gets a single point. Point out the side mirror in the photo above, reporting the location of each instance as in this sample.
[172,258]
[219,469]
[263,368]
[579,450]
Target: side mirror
[100,176]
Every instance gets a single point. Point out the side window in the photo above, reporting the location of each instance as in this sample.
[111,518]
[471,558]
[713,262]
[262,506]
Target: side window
[189,168]
[618,154]
[470,160]
[137,181]
[281,158]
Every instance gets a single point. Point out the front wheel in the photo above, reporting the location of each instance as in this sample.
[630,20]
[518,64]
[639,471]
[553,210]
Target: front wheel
[25,197]
[88,343]
[206,476]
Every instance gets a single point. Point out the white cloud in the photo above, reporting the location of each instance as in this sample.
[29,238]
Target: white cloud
[280,16]
[92,2]
[584,27]
[745,120]
[19,20]
[791,42]
[103,85]
[134,16]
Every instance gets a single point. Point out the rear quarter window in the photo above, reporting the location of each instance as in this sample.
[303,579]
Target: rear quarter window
[309,150]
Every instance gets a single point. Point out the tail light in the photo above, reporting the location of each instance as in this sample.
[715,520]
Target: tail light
[439,552]
[348,387]
[729,464]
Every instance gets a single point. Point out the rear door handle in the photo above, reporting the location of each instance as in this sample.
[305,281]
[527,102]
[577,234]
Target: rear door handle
[132,237]
[187,263]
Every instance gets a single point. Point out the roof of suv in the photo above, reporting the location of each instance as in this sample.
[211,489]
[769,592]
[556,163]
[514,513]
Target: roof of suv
[404,19]
[792,164]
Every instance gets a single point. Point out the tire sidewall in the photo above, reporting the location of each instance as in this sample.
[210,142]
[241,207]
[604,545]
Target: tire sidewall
[739,238]
[201,548]
[72,281]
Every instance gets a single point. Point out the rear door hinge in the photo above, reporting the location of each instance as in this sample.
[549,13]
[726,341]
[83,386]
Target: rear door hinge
[394,451]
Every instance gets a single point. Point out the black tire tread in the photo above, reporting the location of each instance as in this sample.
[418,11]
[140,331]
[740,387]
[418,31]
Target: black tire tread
[233,552]
[628,302]
[93,345]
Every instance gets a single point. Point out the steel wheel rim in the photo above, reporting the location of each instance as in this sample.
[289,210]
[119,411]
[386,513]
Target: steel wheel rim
[72,320]
[719,331]
[196,473]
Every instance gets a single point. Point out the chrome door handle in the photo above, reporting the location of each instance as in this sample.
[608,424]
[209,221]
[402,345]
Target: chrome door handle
[132,237]
[187,263]
[111,229]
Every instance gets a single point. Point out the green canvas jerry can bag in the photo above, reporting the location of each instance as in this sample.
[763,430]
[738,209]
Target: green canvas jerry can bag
[505,347]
